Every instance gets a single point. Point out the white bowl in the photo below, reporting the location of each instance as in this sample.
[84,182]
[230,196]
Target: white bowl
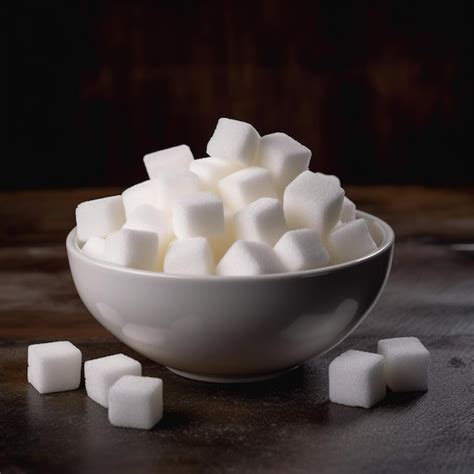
[232,329]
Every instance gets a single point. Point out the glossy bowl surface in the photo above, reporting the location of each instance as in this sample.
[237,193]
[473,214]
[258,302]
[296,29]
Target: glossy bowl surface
[232,329]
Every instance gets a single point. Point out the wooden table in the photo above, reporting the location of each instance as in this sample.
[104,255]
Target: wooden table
[281,426]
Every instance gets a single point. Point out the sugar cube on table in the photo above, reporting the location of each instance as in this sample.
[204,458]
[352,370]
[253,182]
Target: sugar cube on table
[241,188]
[172,185]
[151,219]
[356,379]
[54,366]
[246,258]
[211,170]
[199,215]
[301,249]
[136,402]
[262,221]
[234,140]
[177,158]
[95,247]
[314,201]
[348,210]
[284,157]
[350,241]
[133,248]
[191,256]
[407,363]
[99,217]
[102,373]
[138,195]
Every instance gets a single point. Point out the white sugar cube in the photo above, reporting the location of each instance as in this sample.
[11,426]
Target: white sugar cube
[199,215]
[211,170]
[348,210]
[376,232]
[136,402]
[407,363]
[301,249]
[102,373]
[95,248]
[151,219]
[284,157]
[133,248]
[314,201]
[350,241]
[248,259]
[99,217]
[138,195]
[220,243]
[356,379]
[261,221]
[54,366]
[234,140]
[191,256]
[245,186]
[177,158]
[173,185]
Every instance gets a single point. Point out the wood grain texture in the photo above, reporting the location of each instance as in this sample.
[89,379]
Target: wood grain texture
[381,92]
[281,426]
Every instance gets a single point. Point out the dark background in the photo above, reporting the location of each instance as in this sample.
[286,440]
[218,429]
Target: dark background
[380,91]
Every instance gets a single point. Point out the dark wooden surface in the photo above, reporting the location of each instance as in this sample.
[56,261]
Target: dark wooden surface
[281,426]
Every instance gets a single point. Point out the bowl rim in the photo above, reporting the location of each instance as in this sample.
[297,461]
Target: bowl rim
[389,239]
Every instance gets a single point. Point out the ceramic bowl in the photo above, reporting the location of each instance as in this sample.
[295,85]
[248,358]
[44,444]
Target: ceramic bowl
[232,329]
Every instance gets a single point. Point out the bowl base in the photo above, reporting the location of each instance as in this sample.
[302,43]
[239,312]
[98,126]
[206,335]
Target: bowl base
[218,379]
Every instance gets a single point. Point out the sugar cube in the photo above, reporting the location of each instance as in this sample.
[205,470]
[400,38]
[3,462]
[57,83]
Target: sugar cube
[177,158]
[301,249]
[234,140]
[220,243]
[99,217]
[376,232]
[407,363]
[262,221]
[102,373]
[314,201]
[356,379]
[211,170]
[284,157]
[246,258]
[54,366]
[151,219]
[350,241]
[95,248]
[348,210]
[173,185]
[199,215]
[191,256]
[136,402]
[241,188]
[138,195]
[133,248]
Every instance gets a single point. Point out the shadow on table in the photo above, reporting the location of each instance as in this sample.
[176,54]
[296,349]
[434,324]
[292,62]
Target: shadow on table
[173,419]
[400,399]
[284,385]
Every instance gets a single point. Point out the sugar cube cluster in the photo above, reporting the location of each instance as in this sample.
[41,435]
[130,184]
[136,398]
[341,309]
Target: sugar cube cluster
[251,207]
[358,378]
[115,382]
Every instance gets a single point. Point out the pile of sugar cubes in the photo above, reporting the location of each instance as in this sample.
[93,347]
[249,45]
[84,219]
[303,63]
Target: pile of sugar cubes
[358,378]
[115,382]
[251,207]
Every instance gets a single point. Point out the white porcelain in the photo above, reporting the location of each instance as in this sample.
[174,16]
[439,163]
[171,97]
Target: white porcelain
[226,329]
